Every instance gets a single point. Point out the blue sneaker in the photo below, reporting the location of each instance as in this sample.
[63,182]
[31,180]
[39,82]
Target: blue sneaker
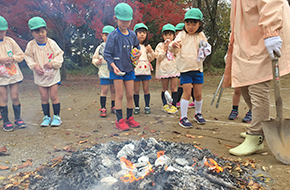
[56,121]
[234,114]
[8,126]
[183,122]
[248,117]
[199,119]
[46,121]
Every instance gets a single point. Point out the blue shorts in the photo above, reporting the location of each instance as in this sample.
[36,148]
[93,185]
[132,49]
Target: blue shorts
[193,77]
[143,77]
[126,77]
[106,81]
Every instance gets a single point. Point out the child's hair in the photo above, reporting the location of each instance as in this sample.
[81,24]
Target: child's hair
[38,29]
[201,27]
[168,32]
[146,41]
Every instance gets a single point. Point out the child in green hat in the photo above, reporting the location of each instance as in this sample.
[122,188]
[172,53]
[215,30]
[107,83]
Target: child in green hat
[104,74]
[191,47]
[10,75]
[44,57]
[166,68]
[117,53]
[143,68]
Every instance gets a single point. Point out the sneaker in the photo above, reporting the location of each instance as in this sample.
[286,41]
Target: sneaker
[178,104]
[147,110]
[0,116]
[183,122]
[103,112]
[8,126]
[248,117]
[234,114]
[172,110]
[199,119]
[46,121]
[136,110]
[166,108]
[113,110]
[56,121]
[191,105]
[132,123]
[20,123]
[121,125]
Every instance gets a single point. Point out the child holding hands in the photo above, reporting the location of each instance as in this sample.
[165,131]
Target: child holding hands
[117,53]
[10,75]
[187,45]
[143,68]
[104,74]
[166,68]
[45,58]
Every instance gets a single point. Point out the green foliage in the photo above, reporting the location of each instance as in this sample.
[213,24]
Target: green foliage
[218,59]
[87,71]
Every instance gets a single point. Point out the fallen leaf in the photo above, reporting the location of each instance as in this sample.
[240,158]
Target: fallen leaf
[199,137]
[78,126]
[25,164]
[67,133]
[85,136]
[4,167]
[146,128]
[264,153]
[190,136]
[82,142]
[13,169]
[153,131]
[3,149]
[69,109]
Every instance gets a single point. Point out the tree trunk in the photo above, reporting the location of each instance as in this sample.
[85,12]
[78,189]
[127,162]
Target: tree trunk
[63,69]
[81,49]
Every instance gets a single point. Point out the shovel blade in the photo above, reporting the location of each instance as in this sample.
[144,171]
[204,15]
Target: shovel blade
[277,135]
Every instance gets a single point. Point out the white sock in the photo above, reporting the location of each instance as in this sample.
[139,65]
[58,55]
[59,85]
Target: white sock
[198,106]
[184,107]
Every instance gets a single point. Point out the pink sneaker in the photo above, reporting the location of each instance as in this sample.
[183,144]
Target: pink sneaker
[191,105]
[132,123]
[121,125]
[178,104]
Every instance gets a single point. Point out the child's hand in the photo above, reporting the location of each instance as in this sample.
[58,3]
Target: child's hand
[166,44]
[38,70]
[7,61]
[116,70]
[99,62]
[137,56]
[176,44]
[47,65]
[149,49]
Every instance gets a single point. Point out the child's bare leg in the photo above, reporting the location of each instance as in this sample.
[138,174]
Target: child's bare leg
[129,85]
[236,97]
[197,90]
[3,103]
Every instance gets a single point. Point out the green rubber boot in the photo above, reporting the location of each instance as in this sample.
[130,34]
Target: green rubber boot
[243,134]
[252,144]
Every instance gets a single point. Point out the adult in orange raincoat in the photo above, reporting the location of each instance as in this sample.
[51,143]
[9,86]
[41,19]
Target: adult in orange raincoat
[260,28]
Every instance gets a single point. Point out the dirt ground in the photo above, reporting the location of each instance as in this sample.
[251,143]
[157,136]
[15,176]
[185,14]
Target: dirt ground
[79,97]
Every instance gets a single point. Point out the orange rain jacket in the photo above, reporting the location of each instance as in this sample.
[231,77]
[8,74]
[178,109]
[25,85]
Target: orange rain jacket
[248,61]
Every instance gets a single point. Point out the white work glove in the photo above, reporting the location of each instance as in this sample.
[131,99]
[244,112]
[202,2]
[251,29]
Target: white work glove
[273,45]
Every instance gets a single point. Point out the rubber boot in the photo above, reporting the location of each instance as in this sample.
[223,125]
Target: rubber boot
[243,134]
[252,144]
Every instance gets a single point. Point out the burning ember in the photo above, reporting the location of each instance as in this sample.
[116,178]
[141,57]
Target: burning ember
[144,164]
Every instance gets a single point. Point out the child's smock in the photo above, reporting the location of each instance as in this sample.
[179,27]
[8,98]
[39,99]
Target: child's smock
[103,68]
[8,45]
[118,50]
[51,52]
[164,67]
[144,66]
[188,52]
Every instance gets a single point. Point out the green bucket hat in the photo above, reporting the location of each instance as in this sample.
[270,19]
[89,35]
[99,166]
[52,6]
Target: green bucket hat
[3,23]
[140,25]
[179,26]
[107,29]
[36,22]
[193,13]
[169,27]
[124,12]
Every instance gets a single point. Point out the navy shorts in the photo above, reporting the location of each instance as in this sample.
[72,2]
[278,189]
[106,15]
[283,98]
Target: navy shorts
[193,77]
[126,77]
[143,77]
[106,81]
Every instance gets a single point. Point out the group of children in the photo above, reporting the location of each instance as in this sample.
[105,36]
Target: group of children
[179,55]
[44,57]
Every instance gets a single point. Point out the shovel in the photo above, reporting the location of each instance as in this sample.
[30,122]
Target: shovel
[277,131]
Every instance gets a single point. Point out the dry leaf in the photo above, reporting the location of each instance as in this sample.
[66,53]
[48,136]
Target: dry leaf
[82,142]
[25,164]
[199,137]
[78,126]
[4,167]
[69,109]
[3,149]
[190,136]
[85,136]
[153,131]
